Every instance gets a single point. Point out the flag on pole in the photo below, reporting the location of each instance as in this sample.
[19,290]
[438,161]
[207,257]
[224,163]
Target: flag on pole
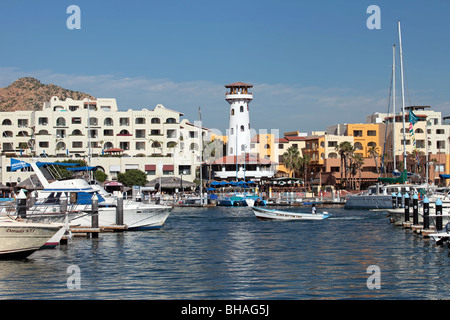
[412,117]
[18,164]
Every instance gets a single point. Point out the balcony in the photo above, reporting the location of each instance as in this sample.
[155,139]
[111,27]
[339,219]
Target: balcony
[237,96]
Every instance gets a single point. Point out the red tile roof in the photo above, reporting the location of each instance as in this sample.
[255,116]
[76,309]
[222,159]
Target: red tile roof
[238,84]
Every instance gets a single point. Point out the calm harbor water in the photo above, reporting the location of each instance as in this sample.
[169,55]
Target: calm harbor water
[226,253]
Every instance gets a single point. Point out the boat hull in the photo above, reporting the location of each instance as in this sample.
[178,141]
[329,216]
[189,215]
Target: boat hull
[271,214]
[20,239]
[134,219]
[368,202]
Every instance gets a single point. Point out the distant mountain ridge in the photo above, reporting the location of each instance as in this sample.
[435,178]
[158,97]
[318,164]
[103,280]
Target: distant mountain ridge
[29,93]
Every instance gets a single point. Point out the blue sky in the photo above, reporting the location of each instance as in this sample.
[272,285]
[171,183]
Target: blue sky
[312,63]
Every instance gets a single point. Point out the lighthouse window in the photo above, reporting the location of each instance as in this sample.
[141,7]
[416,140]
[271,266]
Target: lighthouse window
[242,108]
[242,128]
[232,112]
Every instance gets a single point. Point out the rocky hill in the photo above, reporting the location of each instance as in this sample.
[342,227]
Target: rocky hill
[29,94]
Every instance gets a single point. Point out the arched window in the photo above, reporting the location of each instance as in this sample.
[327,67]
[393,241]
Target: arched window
[242,128]
[60,146]
[124,132]
[7,134]
[139,121]
[242,109]
[43,133]
[419,130]
[358,146]
[61,122]
[332,155]
[108,122]
[77,132]
[6,122]
[171,120]
[372,144]
[156,120]
[108,145]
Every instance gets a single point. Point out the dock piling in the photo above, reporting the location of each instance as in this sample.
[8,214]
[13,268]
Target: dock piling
[415,209]
[406,207]
[439,214]
[119,210]
[426,213]
[94,217]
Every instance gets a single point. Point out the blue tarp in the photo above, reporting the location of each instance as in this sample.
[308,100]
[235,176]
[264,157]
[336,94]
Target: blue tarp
[444,176]
[65,164]
[85,168]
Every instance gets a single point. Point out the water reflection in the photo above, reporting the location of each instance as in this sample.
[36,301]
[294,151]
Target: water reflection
[226,253]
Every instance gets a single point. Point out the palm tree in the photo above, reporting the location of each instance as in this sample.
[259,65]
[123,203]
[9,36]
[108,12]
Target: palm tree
[345,149]
[373,152]
[290,159]
[357,161]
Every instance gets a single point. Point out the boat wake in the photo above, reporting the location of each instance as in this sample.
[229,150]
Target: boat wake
[347,218]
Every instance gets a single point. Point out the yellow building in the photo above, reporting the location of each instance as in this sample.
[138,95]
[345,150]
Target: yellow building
[365,136]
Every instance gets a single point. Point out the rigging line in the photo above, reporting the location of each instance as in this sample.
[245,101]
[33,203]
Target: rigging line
[388,109]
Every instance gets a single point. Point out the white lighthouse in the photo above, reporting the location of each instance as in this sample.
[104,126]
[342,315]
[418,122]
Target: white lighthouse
[239,129]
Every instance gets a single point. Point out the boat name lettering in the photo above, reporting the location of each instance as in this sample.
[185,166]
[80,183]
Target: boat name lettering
[21,230]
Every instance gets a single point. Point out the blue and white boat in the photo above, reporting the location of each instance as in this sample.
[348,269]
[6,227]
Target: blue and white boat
[136,215]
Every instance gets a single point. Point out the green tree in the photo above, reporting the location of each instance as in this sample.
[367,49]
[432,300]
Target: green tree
[132,177]
[100,176]
[345,150]
[290,159]
[373,152]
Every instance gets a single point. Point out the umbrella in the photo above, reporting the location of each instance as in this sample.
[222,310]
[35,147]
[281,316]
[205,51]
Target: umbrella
[223,183]
[215,183]
[210,189]
[251,182]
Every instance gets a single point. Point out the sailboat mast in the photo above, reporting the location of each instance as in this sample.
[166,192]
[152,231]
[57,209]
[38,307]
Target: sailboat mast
[200,134]
[394,133]
[403,95]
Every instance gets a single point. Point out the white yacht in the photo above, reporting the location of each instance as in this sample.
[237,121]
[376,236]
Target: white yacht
[136,215]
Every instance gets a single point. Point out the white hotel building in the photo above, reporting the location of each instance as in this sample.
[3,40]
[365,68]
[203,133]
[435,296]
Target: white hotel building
[156,141]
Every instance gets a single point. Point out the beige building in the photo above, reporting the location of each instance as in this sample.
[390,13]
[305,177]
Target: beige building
[115,140]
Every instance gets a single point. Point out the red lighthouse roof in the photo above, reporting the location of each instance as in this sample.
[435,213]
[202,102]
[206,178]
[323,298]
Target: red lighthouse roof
[239,84]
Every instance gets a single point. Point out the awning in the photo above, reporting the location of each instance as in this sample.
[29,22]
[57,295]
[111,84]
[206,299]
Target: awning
[85,168]
[444,176]
[150,167]
[168,167]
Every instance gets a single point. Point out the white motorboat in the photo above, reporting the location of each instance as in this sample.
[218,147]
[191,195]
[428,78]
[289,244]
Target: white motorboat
[136,215]
[21,239]
[273,214]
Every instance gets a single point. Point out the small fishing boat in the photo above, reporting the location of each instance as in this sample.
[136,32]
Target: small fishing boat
[273,214]
[20,239]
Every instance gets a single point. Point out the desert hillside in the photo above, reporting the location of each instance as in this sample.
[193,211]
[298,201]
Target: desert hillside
[29,94]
